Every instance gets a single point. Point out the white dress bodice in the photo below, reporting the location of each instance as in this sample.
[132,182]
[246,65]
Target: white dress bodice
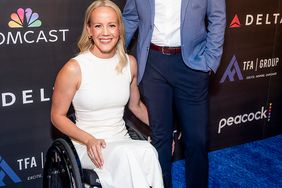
[99,102]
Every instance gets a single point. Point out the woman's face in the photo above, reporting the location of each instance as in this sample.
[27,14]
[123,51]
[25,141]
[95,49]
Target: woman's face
[104,30]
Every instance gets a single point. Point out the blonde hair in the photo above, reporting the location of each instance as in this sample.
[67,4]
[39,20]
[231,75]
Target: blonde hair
[85,43]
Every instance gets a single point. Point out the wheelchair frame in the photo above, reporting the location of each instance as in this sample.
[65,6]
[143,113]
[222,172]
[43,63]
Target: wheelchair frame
[62,168]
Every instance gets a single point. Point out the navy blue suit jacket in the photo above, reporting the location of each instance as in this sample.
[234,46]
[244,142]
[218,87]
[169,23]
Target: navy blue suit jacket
[201,42]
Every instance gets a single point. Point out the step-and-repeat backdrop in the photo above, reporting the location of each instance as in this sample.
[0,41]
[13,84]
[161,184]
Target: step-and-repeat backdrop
[38,37]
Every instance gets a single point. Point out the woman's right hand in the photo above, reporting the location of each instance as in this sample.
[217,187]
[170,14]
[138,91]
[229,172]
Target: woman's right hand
[94,151]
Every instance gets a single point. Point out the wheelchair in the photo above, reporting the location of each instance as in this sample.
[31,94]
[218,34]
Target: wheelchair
[62,168]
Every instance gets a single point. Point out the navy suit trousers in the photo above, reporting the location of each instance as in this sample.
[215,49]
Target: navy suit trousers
[171,90]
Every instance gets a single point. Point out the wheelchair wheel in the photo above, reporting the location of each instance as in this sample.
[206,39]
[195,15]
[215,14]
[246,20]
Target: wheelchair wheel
[62,167]
[134,133]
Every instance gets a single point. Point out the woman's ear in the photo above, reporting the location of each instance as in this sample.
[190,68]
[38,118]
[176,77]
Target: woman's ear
[88,30]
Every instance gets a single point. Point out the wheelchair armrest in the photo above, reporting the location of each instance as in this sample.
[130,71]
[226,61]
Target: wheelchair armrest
[137,130]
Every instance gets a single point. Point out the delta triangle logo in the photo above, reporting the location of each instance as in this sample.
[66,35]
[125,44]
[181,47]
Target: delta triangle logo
[235,22]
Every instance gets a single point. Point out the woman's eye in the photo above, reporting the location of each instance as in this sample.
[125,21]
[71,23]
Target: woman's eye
[97,26]
[113,25]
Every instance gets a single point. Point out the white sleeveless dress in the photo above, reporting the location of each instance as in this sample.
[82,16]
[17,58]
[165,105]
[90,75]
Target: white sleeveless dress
[99,107]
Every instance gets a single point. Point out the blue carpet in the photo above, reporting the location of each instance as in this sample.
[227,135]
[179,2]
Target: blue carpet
[256,164]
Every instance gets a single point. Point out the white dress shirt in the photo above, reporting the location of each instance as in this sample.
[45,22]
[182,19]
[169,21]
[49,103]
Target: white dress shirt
[167,23]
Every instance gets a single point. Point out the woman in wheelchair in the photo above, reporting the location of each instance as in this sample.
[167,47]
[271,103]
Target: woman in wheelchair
[99,82]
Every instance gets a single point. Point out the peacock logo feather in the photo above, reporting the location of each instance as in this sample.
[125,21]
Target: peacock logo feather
[24,18]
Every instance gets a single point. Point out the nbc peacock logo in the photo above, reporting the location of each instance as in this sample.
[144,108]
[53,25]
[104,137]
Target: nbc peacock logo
[26,28]
[24,18]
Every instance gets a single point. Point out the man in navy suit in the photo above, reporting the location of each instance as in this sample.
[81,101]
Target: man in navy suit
[179,43]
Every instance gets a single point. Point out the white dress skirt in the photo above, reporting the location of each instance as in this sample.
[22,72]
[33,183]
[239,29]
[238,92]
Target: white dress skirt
[99,107]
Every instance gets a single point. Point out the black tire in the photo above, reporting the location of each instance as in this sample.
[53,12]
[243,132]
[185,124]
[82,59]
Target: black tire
[62,167]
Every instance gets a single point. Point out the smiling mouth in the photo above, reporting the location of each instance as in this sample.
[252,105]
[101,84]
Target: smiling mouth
[105,40]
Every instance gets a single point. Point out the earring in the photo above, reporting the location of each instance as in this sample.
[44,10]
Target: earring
[90,37]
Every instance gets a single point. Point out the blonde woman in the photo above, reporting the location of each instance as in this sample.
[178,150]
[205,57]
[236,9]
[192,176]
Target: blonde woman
[99,82]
